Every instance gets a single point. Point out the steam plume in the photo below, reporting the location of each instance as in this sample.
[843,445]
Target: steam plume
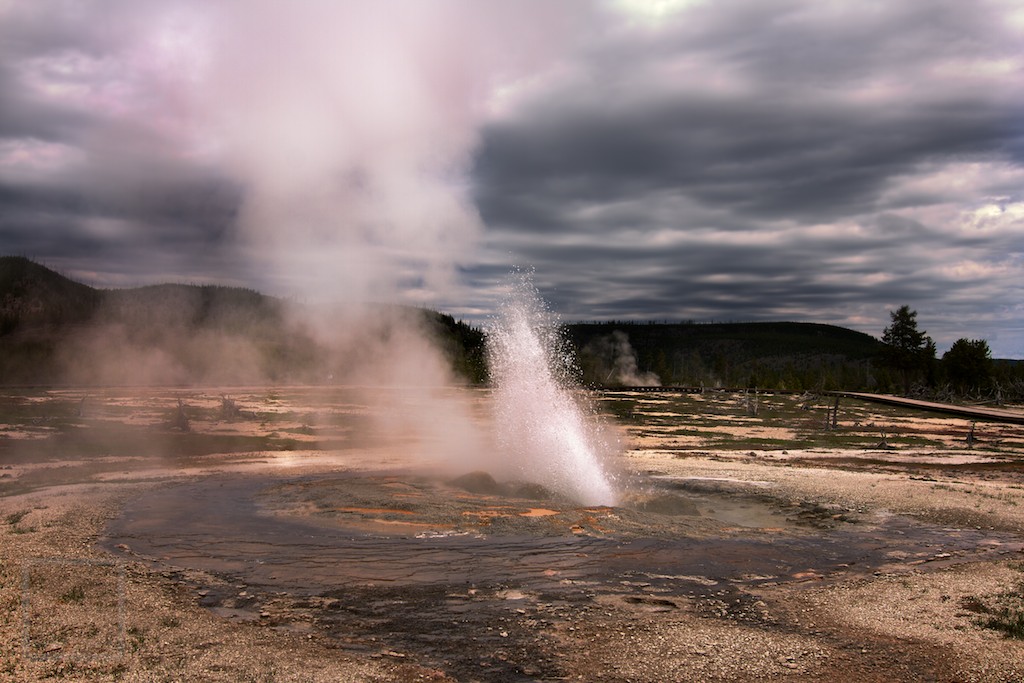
[618,354]
[351,126]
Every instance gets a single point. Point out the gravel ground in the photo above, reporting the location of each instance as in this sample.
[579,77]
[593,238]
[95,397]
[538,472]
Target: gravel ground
[66,624]
[72,611]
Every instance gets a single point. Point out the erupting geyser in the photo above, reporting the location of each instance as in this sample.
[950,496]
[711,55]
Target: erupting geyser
[541,428]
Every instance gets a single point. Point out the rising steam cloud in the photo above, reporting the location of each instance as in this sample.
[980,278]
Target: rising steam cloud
[344,133]
[617,363]
[351,128]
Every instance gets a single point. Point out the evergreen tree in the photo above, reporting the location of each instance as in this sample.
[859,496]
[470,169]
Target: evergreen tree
[968,364]
[908,351]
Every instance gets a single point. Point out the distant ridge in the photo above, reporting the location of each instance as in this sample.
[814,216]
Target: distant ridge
[778,355]
[33,294]
[54,330]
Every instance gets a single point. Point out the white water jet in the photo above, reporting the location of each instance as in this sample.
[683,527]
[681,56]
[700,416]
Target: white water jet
[542,429]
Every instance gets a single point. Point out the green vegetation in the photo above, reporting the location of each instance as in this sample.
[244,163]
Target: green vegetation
[463,344]
[797,357]
[966,370]
[16,517]
[119,440]
[782,355]
[909,351]
[31,294]
[1003,612]
[54,331]
[1009,621]
[968,365]
[75,594]
[722,420]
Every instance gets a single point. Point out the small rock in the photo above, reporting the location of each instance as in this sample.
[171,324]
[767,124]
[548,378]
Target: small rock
[788,661]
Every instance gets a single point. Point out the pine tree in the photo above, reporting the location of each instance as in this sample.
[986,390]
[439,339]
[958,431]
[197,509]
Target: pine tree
[968,364]
[909,351]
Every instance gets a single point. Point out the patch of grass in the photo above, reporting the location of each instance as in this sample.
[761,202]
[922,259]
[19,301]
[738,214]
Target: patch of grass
[304,430]
[75,594]
[140,441]
[1009,621]
[1007,618]
[16,517]
[767,444]
[137,636]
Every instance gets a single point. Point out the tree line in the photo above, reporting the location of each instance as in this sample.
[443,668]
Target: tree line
[966,369]
[795,357]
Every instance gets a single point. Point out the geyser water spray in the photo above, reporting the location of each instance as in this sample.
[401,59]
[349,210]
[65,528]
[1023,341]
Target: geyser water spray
[540,425]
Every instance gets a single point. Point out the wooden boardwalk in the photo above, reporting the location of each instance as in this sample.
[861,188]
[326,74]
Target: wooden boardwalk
[971,412]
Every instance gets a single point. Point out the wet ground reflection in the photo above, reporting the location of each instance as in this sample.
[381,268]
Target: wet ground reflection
[425,587]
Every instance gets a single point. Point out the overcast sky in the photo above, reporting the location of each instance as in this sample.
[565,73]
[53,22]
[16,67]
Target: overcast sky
[815,160]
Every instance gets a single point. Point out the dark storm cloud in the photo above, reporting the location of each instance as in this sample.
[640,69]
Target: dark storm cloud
[92,178]
[794,159]
[777,159]
[186,212]
[75,44]
[801,154]
[107,209]
[22,117]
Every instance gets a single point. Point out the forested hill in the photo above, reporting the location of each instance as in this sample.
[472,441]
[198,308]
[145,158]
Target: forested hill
[31,294]
[54,331]
[777,355]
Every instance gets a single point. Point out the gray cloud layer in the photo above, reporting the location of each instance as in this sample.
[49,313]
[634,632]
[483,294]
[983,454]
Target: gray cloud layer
[821,161]
[715,160]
